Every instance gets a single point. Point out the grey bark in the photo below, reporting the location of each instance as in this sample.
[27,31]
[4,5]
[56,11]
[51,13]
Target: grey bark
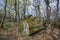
[2,22]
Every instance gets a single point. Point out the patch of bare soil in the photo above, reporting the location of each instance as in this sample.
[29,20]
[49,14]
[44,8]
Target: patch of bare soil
[13,34]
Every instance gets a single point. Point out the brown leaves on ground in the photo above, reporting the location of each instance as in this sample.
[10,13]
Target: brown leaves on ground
[13,34]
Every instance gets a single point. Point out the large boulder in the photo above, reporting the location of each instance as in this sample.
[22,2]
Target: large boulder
[31,25]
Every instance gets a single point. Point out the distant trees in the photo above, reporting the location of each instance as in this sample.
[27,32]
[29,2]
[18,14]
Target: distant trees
[20,15]
[54,12]
[18,7]
[15,10]
[37,7]
[24,8]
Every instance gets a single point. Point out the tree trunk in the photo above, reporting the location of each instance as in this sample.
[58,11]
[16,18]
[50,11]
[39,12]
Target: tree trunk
[57,10]
[18,12]
[24,11]
[47,3]
[48,10]
[37,7]
[2,22]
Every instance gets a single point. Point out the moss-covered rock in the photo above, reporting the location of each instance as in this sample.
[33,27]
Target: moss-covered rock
[30,21]
[30,25]
[34,24]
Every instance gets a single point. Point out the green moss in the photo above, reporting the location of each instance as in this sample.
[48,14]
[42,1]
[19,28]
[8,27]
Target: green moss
[30,21]
[31,30]
[21,27]
[8,25]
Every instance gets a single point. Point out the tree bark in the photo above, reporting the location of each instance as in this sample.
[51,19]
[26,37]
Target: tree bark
[24,11]
[57,10]
[47,10]
[2,22]
[16,10]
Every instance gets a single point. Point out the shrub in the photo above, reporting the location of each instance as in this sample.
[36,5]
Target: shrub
[57,25]
[21,27]
[8,25]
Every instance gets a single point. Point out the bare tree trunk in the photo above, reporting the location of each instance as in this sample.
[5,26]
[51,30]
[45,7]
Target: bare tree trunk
[38,10]
[57,7]
[57,10]
[2,22]
[47,10]
[37,7]
[24,12]
[16,10]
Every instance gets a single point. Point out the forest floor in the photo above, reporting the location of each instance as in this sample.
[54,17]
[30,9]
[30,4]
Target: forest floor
[13,34]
